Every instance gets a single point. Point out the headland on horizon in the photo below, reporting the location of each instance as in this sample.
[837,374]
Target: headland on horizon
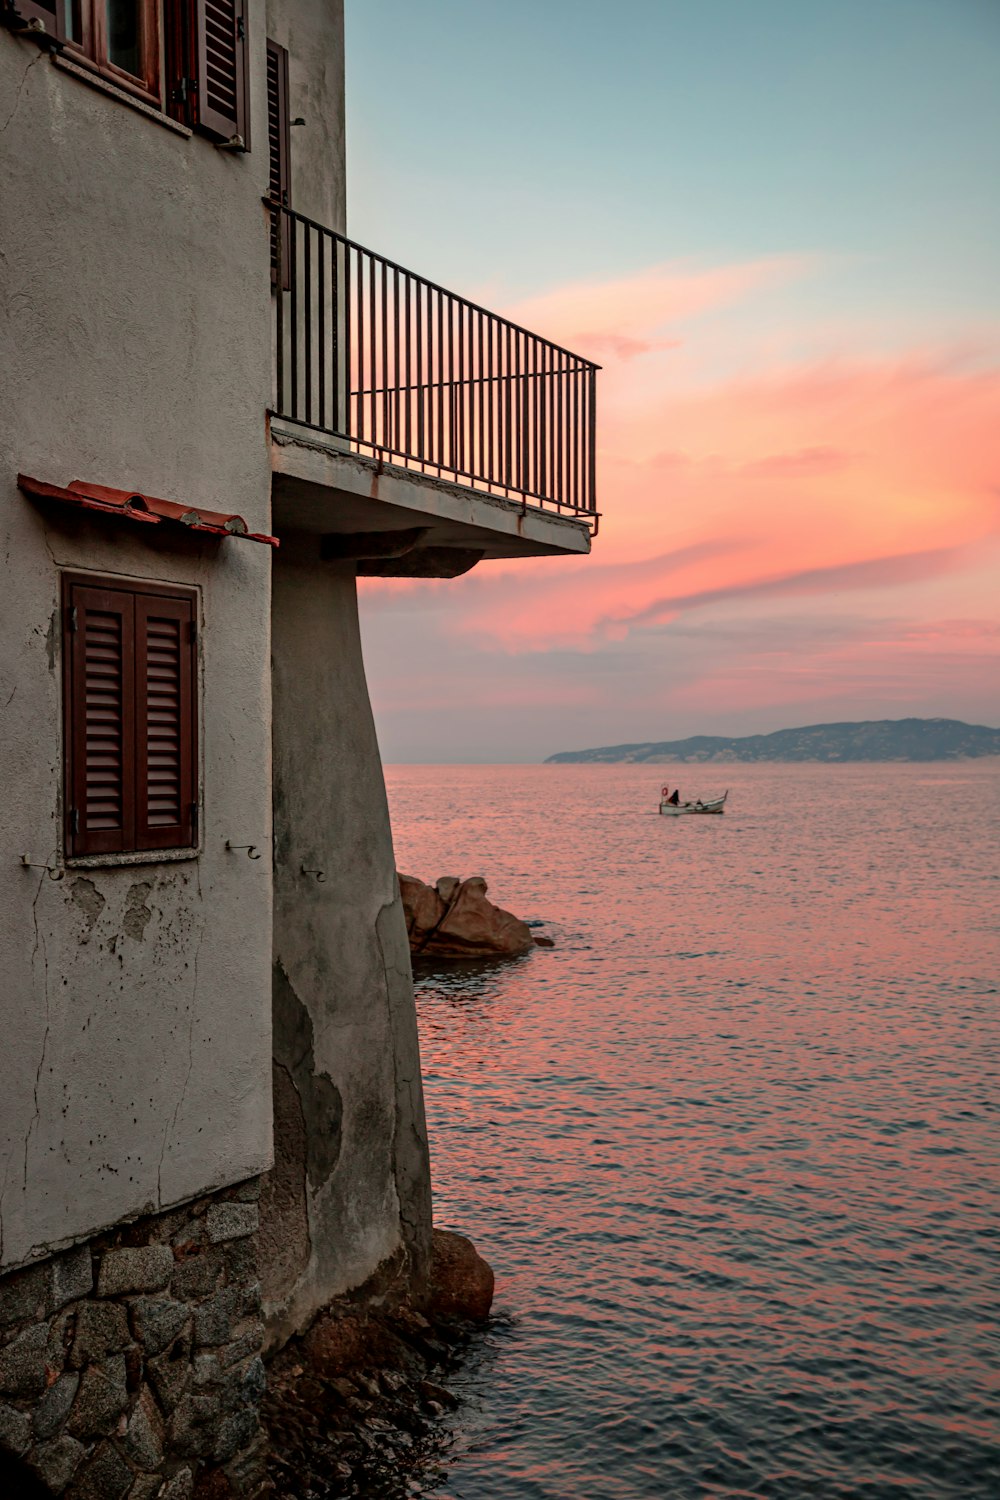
[868,740]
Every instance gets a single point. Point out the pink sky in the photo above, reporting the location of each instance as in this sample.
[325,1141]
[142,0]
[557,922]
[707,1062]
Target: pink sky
[831,522]
[776,227]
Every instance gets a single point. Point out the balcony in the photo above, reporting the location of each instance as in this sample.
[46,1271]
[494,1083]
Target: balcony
[391,366]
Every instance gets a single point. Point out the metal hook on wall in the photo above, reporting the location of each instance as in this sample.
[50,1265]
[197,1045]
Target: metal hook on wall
[252,850]
[320,876]
[52,871]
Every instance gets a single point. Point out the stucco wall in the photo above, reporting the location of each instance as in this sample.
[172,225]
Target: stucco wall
[135,1002]
[345,1039]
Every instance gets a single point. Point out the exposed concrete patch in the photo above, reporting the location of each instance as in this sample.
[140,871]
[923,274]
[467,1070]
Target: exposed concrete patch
[88,898]
[284,1241]
[320,1101]
[137,914]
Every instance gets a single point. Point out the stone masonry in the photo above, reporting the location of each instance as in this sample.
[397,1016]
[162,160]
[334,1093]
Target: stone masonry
[130,1366]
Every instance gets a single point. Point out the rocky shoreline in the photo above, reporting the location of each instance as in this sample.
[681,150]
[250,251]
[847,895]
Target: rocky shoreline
[353,1408]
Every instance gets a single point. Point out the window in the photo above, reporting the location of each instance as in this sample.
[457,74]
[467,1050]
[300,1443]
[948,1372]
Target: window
[119,39]
[204,55]
[130,719]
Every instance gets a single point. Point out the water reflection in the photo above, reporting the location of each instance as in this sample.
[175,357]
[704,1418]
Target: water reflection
[731,1145]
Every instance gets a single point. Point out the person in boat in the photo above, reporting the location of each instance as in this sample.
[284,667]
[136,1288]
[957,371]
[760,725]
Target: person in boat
[675,797]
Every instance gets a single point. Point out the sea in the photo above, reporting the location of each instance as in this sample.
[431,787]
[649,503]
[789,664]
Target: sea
[731,1145]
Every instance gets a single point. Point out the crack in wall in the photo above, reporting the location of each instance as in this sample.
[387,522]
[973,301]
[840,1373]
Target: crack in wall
[20,89]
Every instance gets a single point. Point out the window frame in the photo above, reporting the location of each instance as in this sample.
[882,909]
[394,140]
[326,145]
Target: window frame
[135,837]
[90,49]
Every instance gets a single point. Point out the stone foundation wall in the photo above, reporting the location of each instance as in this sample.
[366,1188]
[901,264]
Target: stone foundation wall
[130,1365]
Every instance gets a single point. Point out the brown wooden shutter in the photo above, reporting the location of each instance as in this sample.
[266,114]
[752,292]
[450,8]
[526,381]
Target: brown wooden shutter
[100,720]
[130,717]
[164,722]
[279,183]
[222,96]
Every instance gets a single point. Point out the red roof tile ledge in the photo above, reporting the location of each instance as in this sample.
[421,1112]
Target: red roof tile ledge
[133,506]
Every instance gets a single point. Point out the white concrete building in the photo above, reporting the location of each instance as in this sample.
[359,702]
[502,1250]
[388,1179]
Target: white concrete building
[218,411]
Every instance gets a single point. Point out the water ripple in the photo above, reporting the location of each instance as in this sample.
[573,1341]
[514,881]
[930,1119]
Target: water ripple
[730,1145]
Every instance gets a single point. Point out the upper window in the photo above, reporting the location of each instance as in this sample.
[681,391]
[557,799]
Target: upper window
[130,719]
[118,38]
[198,75]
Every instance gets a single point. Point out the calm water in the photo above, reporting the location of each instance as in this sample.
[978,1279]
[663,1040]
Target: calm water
[731,1147]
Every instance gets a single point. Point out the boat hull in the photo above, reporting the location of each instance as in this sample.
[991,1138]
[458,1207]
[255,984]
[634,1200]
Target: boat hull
[685,809]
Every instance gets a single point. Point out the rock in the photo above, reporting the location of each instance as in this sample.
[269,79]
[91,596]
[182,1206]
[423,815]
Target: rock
[338,1342]
[422,906]
[143,1438]
[196,1275]
[544,942]
[170,1374]
[72,1276]
[53,1409]
[22,1363]
[232,1221]
[455,920]
[443,1398]
[248,1192]
[146,1487]
[235,1433]
[27,1294]
[55,1463]
[105,1477]
[213,1319]
[99,1401]
[156,1321]
[101,1329]
[245,1344]
[461,1283]
[194,1425]
[15,1430]
[144,1269]
[180,1487]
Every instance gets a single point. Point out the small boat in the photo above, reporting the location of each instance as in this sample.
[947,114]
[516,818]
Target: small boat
[676,809]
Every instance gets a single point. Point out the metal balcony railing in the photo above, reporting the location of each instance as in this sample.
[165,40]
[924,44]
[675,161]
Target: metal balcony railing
[396,366]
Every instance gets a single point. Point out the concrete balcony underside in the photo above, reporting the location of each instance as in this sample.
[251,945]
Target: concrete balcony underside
[398,522]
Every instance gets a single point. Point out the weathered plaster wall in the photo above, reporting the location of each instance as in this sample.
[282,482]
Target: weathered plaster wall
[134,351]
[351,1186]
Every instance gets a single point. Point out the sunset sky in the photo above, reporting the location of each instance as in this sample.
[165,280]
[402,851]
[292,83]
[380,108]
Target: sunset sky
[777,227]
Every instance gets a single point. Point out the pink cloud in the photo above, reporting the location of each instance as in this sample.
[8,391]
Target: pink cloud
[873,479]
[804,464]
[627,315]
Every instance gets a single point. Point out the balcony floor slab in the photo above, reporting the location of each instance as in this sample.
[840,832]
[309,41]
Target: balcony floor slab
[317,487]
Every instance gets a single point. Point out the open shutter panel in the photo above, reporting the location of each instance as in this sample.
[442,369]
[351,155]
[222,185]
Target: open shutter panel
[279,157]
[222,97]
[100,742]
[164,722]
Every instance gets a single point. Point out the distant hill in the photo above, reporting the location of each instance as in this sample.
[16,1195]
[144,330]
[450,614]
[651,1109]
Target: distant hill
[873,739]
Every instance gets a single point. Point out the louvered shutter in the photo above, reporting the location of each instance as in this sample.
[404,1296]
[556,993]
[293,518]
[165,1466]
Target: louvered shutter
[164,722]
[220,56]
[130,717]
[279,175]
[100,720]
